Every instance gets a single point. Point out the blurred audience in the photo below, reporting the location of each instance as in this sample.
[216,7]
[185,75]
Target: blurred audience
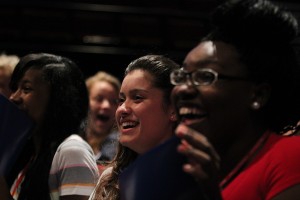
[7,65]
[101,132]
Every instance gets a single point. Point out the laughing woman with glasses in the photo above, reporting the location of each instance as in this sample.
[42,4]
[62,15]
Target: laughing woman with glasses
[236,91]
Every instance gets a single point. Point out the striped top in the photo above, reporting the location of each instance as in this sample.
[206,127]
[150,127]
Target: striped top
[74,170]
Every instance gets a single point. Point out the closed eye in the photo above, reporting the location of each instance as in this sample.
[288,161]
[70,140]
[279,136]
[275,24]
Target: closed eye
[26,89]
[138,98]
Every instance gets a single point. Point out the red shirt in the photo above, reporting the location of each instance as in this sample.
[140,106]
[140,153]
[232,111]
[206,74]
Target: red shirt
[275,168]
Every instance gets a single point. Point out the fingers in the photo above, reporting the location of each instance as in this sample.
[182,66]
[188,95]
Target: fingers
[196,145]
[194,154]
[203,160]
[196,171]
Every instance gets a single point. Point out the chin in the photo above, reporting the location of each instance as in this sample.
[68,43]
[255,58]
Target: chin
[124,140]
[198,125]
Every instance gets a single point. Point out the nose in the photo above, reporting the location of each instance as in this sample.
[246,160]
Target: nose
[15,97]
[106,103]
[123,110]
[185,92]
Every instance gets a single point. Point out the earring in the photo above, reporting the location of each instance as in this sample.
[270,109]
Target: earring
[173,117]
[255,105]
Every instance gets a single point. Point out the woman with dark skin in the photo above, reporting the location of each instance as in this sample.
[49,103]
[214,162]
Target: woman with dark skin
[52,91]
[234,94]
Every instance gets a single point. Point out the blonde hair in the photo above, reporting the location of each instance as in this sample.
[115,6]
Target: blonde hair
[8,62]
[103,76]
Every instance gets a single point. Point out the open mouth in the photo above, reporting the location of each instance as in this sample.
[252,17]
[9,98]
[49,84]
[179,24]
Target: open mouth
[127,125]
[103,118]
[189,113]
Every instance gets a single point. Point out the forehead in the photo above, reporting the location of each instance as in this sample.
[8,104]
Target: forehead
[138,78]
[213,54]
[34,75]
[36,78]
[103,87]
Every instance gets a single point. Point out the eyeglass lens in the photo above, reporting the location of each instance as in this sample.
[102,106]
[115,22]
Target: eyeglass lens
[198,77]
[203,77]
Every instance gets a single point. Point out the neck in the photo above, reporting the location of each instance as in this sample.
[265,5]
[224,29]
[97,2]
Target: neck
[238,149]
[95,140]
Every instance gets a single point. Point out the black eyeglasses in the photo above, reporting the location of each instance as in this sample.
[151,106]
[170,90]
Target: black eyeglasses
[199,77]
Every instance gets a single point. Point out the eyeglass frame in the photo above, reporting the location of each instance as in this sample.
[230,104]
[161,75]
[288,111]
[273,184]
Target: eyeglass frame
[216,75]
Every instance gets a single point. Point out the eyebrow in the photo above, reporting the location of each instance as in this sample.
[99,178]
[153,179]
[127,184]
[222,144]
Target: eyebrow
[24,81]
[203,63]
[135,91]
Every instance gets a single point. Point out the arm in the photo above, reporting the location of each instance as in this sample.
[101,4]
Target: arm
[203,162]
[74,197]
[284,170]
[74,172]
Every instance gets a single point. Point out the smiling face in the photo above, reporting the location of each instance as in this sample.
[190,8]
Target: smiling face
[32,95]
[103,104]
[143,118]
[220,110]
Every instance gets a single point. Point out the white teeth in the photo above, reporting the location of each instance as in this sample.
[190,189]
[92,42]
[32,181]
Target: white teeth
[128,124]
[185,111]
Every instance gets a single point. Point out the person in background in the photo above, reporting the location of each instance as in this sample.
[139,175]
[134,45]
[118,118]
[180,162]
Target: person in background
[101,133]
[7,65]
[236,91]
[145,117]
[56,163]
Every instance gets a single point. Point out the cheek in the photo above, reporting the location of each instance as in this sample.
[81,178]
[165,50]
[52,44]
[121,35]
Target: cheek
[37,112]
[93,105]
[39,107]
[146,114]
[230,104]
[226,96]
[118,112]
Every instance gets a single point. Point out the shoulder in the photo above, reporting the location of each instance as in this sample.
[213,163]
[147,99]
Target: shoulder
[283,155]
[74,143]
[74,150]
[72,139]
[286,144]
[282,164]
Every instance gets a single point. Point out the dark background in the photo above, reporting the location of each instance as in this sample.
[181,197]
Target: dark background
[107,34]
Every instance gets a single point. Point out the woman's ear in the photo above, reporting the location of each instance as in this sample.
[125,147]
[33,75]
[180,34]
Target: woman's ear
[261,95]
